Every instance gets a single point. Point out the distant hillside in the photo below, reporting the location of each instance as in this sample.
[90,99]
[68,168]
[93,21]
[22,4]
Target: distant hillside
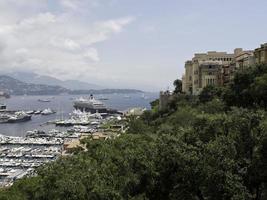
[105,91]
[16,87]
[29,77]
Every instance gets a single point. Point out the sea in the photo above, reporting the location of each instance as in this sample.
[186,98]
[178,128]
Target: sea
[63,105]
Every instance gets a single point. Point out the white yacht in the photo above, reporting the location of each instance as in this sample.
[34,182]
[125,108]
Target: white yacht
[90,105]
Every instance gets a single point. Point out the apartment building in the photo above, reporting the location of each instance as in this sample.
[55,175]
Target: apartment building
[214,68]
[204,69]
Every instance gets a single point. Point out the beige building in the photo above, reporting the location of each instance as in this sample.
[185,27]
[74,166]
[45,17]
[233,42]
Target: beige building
[243,59]
[261,54]
[187,82]
[213,68]
[204,69]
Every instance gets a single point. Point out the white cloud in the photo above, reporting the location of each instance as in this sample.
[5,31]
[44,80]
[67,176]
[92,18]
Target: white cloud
[71,45]
[92,54]
[77,5]
[103,30]
[52,43]
[41,19]
[72,4]
[115,25]
[22,51]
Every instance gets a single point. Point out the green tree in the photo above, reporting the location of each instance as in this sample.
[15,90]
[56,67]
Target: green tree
[209,93]
[178,86]
[259,90]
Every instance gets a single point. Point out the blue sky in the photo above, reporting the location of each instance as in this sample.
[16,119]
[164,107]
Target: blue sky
[123,43]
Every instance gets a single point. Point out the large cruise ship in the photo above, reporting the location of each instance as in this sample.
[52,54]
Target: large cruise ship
[90,105]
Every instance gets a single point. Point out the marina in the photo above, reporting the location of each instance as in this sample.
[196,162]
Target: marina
[7,116]
[19,156]
[56,130]
[62,105]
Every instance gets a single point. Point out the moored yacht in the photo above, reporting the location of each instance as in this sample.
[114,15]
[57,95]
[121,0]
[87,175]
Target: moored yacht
[47,111]
[19,117]
[2,107]
[44,100]
[90,105]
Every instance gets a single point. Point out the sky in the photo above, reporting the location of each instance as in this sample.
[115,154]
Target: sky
[140,44]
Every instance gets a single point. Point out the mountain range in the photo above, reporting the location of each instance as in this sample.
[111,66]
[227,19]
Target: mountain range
[17,87]
[14,86]
[29,77]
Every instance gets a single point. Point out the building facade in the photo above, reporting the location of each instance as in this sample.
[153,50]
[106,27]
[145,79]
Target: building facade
[205,69]
[214,68]
[261,54]
[243,59]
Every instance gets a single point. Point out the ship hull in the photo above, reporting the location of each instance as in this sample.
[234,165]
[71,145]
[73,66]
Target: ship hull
[89,109]
[23,119]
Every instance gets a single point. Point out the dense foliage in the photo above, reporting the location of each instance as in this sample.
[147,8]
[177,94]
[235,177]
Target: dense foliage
[211,147]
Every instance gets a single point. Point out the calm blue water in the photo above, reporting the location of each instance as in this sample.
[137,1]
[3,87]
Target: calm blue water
[63,104]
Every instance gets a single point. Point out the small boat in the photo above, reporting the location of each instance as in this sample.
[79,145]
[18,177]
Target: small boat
[44,100]
[47,111]
[2,107]
[4,95]
[37,112]
[4,118]
[30,112]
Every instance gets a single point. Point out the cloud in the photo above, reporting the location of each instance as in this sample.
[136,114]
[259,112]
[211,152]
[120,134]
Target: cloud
[77,5]
[104,29]
[70,4]
[114,25]
[92,54]
[41,19]
[53,43]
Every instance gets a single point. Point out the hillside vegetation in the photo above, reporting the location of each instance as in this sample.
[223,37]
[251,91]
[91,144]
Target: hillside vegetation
[207,147]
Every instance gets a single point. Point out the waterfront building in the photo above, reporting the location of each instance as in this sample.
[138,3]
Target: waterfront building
[261,54]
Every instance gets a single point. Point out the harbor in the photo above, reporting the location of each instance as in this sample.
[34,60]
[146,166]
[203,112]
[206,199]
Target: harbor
[57,132]
[20,156]
[62,105]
